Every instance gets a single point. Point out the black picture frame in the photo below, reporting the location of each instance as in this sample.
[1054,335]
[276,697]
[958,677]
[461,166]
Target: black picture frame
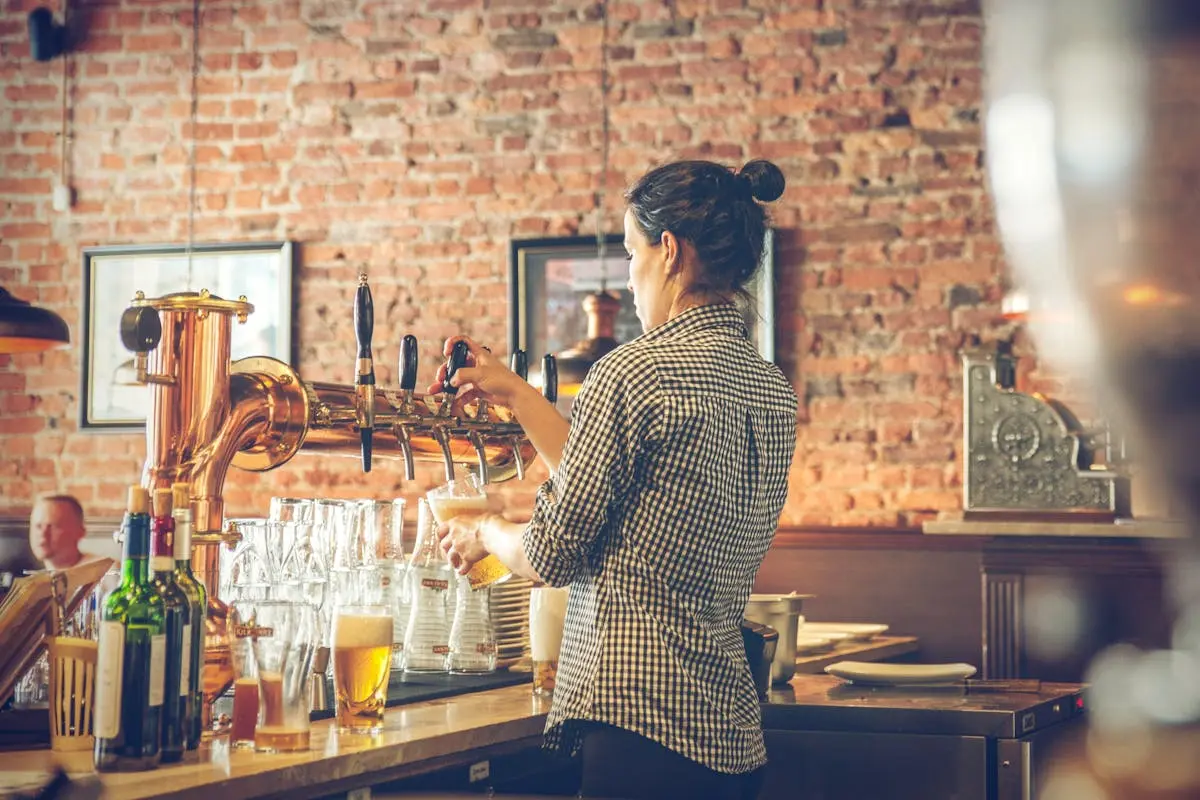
[549,277]
[262,271]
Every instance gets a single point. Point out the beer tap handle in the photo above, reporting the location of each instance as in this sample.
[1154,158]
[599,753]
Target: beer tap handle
[364,375]
[456,361]
[550,378]
[408,384]
[408,365]
[519,363]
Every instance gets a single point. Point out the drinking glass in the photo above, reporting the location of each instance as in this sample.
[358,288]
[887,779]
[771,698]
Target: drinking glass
[427,634]
[466,496]
[362,661]
[244,716]
[283,642]
[547,613]
[291,509]
[395,580]
[472,637]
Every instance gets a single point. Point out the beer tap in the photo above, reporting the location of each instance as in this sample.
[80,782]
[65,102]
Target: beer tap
[550,378]
[364,374]
[519,363]
[456,360]
[408,384]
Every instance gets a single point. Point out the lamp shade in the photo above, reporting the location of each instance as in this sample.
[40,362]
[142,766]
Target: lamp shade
[25,328]
[601,309]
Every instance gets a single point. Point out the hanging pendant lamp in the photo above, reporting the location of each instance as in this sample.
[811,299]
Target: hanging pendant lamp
[25,328]
[601,309]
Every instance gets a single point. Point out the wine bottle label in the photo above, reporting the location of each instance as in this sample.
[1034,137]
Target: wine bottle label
[162,564]
[109,661]
[158,669]
[185,656]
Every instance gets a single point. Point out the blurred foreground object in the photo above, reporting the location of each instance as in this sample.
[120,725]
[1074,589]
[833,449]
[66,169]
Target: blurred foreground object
[1092,109]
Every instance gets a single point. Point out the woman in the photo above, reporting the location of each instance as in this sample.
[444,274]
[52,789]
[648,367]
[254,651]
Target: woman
[665,491]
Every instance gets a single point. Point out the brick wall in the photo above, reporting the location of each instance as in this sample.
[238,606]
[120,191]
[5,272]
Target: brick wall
[416,143]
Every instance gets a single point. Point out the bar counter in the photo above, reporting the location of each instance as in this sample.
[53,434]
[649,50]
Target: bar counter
[417,739]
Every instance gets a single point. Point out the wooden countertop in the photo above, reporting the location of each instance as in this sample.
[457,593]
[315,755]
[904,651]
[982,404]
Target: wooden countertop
[879,648]
[1121,529]
[416,738]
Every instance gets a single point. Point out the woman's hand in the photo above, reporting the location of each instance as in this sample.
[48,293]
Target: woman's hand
[461,539]
[484,376]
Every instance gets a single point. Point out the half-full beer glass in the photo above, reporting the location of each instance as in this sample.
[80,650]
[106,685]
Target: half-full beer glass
[461,497]
[362,662]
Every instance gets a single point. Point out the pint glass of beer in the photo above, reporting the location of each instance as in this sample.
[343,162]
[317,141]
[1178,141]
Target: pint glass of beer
[547,613]
[461,497]
[362,662]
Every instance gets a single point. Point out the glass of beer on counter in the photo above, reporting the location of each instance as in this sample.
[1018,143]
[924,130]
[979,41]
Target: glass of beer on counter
[547,614]
[362,663]
[466,496]
[283,642]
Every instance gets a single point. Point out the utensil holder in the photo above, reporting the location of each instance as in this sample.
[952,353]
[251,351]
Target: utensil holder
[72,692]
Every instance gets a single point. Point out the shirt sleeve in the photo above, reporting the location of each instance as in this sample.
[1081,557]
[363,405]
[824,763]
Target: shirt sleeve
[612,422]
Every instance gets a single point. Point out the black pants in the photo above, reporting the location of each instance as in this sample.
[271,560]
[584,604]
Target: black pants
[618,764]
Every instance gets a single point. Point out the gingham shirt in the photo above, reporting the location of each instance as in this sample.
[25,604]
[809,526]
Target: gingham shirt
[658,517]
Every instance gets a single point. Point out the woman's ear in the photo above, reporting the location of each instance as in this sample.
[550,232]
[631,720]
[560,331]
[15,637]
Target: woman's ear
[671,254]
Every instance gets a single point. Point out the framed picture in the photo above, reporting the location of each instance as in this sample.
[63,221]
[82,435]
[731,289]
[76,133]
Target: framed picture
[549,278]
[110,397]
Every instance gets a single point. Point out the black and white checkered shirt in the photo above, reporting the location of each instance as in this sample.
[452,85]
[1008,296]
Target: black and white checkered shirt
[658,517]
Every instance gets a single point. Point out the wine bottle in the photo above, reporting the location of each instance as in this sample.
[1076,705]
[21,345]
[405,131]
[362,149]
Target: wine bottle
[131,658]
[193,649]
[178,617]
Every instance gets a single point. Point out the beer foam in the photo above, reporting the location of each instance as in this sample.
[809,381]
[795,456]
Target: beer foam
[447,508]
[362,630]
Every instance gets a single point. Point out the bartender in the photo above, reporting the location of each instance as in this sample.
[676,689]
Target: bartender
[664,495]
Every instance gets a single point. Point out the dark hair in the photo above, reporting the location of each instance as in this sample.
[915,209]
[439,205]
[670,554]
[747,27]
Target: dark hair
[713,208]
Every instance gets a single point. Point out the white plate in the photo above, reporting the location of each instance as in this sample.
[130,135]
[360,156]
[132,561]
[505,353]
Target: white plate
[812,644]
[859,631]
[873,674]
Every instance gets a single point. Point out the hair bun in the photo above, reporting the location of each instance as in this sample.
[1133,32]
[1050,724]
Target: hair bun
[765,180]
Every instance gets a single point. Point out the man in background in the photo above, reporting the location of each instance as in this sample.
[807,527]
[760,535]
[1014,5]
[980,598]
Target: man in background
[56,528]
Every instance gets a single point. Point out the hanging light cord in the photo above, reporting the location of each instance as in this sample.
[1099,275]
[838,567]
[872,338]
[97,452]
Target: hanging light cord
[601,244]
[64,139]
[195,111]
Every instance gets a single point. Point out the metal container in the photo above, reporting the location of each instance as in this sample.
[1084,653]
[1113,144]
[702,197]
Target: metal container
[781,612]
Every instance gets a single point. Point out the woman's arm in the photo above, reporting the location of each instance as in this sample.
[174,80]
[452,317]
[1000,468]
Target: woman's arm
[502,539]
[546,428]
[486,376]
[468,538]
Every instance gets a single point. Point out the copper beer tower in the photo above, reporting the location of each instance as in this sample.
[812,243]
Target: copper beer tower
[256,413]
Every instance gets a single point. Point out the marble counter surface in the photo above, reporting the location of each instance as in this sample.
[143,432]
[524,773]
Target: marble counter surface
[416,738]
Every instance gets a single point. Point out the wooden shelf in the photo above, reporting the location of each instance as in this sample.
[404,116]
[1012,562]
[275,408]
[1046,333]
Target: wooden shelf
[881,648]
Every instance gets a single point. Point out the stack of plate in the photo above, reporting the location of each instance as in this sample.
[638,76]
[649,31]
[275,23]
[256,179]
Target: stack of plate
[510,618]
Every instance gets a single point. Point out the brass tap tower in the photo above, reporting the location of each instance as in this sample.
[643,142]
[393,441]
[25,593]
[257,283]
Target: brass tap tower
[208,413]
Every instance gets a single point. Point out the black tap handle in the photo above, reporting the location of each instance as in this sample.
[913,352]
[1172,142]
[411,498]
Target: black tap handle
[408,363]
[364,318]
[456,361]
[519,363]
[550,378]
[141,329]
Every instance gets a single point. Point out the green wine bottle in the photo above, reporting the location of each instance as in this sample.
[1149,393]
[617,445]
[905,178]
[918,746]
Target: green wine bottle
[178,615]
[198,600]
[132,656]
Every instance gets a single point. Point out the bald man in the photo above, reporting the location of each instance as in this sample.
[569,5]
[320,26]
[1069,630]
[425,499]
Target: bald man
[55,530]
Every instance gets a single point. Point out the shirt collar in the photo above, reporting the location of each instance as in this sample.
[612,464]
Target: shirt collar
[699,318]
